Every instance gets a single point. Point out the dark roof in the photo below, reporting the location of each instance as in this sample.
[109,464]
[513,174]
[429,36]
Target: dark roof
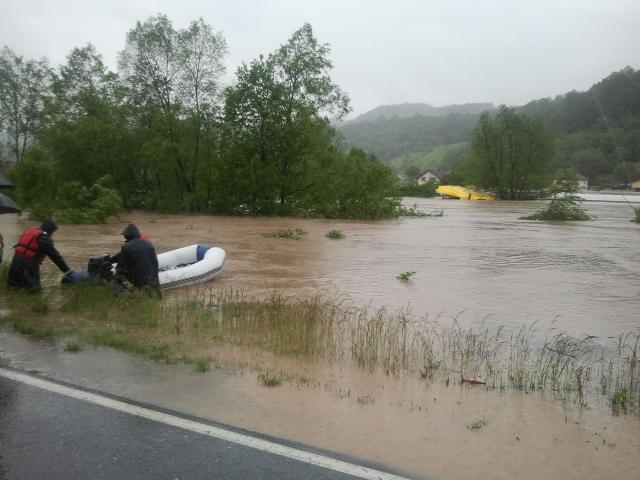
[5,183]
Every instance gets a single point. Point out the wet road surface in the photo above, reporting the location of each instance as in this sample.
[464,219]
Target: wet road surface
[45,434]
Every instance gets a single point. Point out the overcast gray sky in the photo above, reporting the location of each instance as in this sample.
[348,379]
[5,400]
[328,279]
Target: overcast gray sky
[395,51]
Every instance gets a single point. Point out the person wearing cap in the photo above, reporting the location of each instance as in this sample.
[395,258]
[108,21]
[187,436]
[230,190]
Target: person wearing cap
[137,261]
[34,244]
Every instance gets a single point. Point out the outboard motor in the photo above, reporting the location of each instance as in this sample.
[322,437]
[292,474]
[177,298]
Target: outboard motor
[98,268]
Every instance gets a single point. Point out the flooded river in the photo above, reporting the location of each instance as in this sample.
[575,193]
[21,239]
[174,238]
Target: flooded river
[478,262]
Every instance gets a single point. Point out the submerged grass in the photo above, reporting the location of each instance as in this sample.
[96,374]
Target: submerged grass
[477,424]
[293,234]
[179,329]
[335,234]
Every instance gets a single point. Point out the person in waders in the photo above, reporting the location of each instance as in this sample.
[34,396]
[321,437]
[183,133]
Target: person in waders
[137,261]
[33,245]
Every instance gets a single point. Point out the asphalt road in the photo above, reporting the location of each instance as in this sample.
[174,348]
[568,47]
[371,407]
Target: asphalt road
[49,435]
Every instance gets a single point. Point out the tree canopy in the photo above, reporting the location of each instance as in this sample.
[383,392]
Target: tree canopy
[171,137]
[511,152]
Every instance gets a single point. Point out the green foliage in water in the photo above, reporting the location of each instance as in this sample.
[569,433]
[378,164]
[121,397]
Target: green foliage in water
[621,399]
[291,234]
[405,276]
[511,152]
[264,145]
[477,424]
[73,346]
[561,209]
[411,188]
[269,379]
[335,234]
[565,204]
[41,190]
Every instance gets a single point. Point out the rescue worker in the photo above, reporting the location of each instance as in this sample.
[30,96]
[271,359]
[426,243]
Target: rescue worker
[32,247]
[137,261]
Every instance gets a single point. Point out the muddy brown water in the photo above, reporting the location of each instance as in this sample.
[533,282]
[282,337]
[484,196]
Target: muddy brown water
[477,262]
[478,259]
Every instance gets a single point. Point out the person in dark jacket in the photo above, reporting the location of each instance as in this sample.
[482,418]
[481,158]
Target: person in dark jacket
[33,245]
[137,261]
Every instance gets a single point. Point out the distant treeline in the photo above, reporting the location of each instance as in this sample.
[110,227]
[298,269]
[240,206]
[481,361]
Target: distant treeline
[162,133]
[391,137]
[596,132]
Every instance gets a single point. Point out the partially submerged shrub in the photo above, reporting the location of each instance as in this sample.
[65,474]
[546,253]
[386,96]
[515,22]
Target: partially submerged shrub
[292,234]
[269,379]
[565,203]
[562,208]
[335,234]
[404,276]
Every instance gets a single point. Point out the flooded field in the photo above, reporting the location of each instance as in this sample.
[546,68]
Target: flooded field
[478,262]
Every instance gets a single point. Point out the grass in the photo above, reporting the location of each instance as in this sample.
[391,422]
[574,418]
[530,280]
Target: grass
[477,424]
[269,379]
[335,234]
[182,328]
[73,346]
[405,276]
[201,365]
[291,234]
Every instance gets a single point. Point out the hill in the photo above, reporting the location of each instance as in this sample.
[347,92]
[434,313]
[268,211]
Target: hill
[404,110]
[388,138]
[441,158]
[596,132]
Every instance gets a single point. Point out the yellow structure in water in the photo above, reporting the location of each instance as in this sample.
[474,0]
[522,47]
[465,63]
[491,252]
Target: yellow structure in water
[456,191]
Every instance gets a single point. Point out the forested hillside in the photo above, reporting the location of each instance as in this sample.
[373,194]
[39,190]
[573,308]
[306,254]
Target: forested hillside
[596,132]
[404,110]
[388,138]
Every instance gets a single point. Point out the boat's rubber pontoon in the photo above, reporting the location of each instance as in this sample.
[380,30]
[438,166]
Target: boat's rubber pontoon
[176,268]
[189,265]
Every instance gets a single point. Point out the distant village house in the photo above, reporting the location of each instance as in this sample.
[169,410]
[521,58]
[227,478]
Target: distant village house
[583,182]
[430,175]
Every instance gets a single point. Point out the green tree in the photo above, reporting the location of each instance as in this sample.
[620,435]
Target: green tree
[511,152]
[591,163]
[276,118]
[565,204]
[173,79]
[626,172]
[24,85]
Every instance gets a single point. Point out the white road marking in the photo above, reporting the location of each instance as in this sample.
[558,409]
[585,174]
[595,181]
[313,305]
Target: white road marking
[211,431]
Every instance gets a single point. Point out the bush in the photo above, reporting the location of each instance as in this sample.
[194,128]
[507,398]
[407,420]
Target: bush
[78,204]
[565,204]
[335,234]
[561,209]
[413,189]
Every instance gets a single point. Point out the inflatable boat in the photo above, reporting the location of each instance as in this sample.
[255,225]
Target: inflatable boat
[176,268]
[189,265]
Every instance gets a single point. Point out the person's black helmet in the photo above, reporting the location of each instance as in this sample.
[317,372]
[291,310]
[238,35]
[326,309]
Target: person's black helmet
[49,226]
[130,231]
